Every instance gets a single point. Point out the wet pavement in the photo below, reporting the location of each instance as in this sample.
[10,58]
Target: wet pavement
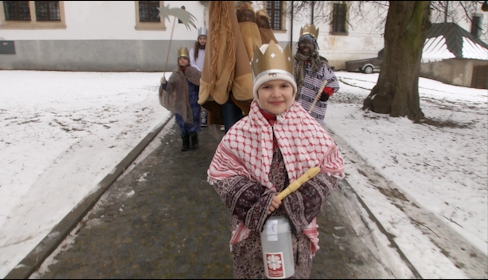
[161,219]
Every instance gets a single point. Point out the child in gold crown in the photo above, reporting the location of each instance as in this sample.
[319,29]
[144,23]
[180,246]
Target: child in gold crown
[262,154]
[180,96]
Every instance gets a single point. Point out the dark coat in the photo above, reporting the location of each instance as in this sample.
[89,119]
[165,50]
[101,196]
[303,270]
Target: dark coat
[175,96]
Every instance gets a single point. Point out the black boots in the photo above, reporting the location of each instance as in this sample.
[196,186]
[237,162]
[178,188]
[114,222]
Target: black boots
[193,140]
[186,142]
[190,141]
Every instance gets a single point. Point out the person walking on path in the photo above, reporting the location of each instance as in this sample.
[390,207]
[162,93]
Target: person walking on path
[197,54]
[261,154]
[311,72]
[180,96]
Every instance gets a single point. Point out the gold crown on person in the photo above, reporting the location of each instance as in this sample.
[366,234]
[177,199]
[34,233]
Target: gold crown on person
[309,29]
[272,59]
[183,52]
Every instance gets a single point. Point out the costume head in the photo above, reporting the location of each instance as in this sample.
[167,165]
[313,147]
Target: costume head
[271,62]
[245,12]
[262,13]
[262,19]
[308,32]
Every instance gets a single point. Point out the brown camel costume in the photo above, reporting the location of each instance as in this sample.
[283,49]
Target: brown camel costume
[226,70]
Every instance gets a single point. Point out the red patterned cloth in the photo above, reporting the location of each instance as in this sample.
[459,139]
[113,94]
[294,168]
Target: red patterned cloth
[247,150]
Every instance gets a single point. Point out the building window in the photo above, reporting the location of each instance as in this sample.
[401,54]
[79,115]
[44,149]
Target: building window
[275,12]
[16,10]
[148,11]
[476,26]
[32,15]
[339,18]
[47,11]
[147,15]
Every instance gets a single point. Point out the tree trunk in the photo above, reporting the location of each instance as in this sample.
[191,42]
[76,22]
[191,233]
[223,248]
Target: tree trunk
[396,93]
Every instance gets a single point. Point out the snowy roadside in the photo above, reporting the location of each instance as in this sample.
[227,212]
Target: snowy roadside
[390,167]
[59,141]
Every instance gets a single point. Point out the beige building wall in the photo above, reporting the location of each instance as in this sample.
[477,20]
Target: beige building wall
[458,72]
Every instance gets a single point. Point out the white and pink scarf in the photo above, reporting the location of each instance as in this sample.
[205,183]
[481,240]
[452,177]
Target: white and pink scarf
[247,150]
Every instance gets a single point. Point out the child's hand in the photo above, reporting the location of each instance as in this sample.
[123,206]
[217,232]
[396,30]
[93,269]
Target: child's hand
[163,80]
[275,203]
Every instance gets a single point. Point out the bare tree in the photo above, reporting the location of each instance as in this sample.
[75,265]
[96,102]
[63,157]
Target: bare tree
[455,11]
[322,12]
[405,30]
[396,92]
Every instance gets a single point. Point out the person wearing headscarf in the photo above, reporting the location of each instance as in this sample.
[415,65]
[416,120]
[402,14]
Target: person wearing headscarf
[179,95]
[311,72]
[261,154]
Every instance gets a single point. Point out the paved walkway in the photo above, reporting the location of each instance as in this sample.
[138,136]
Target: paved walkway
[163,220]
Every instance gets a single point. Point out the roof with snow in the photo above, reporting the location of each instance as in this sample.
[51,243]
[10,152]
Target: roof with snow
[449,40]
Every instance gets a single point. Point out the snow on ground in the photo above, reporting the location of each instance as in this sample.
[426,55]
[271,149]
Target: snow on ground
[63,132]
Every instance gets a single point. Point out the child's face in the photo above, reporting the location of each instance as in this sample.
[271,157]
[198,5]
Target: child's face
[275,96]
[202,40]
[182,61]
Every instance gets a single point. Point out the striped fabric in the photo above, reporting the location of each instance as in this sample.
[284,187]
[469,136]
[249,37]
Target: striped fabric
[311,85]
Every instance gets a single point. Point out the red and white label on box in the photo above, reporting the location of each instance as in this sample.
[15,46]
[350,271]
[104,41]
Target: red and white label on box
[274,265]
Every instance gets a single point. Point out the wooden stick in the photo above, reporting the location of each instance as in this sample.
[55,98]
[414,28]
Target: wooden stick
[300,181]
[319,93]
[169,47]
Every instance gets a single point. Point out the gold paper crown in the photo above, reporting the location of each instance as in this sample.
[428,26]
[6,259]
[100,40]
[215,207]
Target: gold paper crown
[183,52]
[272,60]
[309,29]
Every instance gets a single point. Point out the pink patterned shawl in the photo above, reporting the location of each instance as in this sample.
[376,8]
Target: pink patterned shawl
[247,150]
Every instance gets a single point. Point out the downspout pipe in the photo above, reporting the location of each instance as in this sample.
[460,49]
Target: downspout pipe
[313,6]
[291,27]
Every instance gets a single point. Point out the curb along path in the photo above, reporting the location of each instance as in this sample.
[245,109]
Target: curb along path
[35,258]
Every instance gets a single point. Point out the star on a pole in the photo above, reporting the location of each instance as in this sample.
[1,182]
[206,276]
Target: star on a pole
[184,16]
